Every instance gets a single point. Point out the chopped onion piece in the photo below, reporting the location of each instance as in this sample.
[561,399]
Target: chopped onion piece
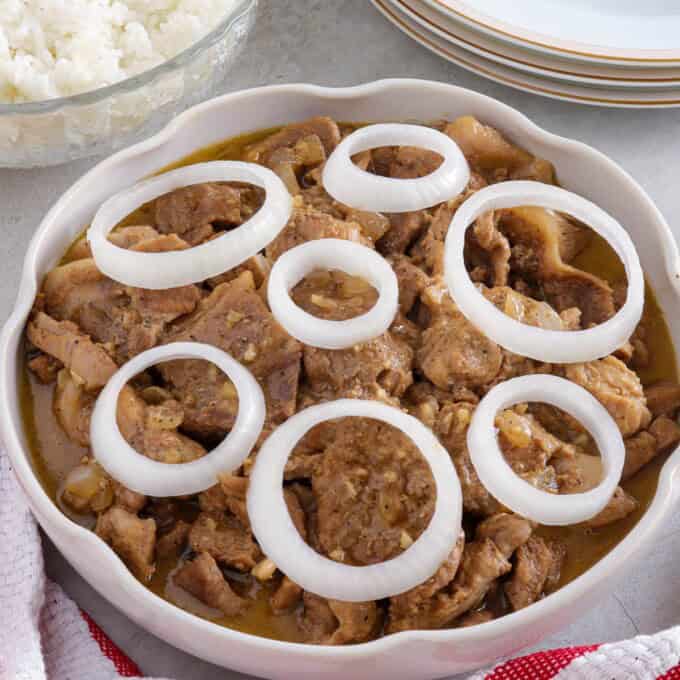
[156,271]
[349,184]
[529,341]
[281,542]
[351,258]
[152,477]
[502,482]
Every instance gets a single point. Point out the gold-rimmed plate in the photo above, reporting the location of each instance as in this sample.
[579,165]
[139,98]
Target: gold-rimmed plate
[645,98]
[542,65]
[613,31]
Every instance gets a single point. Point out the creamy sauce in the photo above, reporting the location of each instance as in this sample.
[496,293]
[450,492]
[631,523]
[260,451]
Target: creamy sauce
[54,454]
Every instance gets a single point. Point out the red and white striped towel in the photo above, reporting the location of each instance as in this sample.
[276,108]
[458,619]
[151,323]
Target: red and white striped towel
[45,636]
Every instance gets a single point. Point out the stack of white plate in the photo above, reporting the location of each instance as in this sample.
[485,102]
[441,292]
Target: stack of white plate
[601,52]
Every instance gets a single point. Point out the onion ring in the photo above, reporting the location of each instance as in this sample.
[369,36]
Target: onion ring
[351,258]
[349,184]
[502,482]
[280,541]
[539,343]
[158,271]
[152,477]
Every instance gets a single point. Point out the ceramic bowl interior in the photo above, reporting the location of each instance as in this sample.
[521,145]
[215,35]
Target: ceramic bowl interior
[408,655]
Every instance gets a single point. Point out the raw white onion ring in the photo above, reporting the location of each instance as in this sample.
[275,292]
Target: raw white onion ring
[351,258]
[152,477]
[156,271]
[349,184]
[280,541]
[502,482]
[529,341]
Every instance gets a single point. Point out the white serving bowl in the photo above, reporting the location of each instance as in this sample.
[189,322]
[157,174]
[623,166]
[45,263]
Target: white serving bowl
[409,655]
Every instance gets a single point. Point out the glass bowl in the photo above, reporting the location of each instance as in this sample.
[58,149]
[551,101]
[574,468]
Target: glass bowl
[97,122]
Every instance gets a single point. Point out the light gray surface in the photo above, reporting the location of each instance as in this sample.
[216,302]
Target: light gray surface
[343,42]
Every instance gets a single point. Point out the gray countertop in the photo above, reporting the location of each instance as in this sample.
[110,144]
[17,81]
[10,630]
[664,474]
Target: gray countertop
[344,42]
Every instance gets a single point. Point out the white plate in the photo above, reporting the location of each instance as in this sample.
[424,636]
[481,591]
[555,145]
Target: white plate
[613,30]
[543,65]
[596,96]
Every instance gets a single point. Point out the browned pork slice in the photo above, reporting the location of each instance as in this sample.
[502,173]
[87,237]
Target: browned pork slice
[45,368]
[536,563]
[428,251]
[532,312]
[662,435]
[331,622]
[123,237]
[453,351]
[376,369]
[581,472]
[410,162]
[412,281]
[195,211]
[64,341]
[203,579]
[72,406]
[226,539]
[287,595]
[227,496]
[308,224]
[451,427]
[405,228]
[620,505]
[128,319]
[408,605]
[131,537]
[537,247]
[321,127]
[405,162]
[374,493]
[492,155]
[528,447]
[308,452]
[640,449]
[544,234]
[507,531]
[484,561]
[70,287]
[152,429]
[130,500]
[663,398]
[481,565]
[235,319]
[488,251]
[172,542]
[618,388]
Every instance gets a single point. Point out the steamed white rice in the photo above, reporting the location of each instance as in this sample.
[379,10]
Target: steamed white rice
[57,48]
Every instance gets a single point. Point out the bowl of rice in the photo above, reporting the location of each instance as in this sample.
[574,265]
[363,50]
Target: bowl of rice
[86,77]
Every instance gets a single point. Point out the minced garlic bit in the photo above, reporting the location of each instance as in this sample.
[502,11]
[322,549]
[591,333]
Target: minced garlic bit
[263,570]
[338,555]
[405,540]
[250,354]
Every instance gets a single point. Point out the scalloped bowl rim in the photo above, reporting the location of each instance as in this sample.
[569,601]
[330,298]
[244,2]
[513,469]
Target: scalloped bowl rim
[64,530]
